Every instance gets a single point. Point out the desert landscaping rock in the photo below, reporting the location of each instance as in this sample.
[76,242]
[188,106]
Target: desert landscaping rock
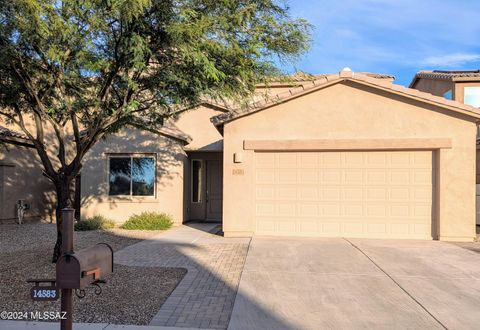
[132,295]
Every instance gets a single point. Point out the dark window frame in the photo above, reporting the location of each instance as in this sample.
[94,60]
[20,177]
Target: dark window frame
[199,182]
[131,157]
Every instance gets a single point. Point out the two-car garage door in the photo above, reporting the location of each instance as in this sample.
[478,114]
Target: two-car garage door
[377,194]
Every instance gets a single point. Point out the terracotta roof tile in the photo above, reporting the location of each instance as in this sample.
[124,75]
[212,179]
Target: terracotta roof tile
[5,132]
[467,75]
[172,130]
[302,77]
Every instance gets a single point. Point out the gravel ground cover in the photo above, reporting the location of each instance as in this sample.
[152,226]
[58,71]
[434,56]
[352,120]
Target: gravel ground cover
[132,295]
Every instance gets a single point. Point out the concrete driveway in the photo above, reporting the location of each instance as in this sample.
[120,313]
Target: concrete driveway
[305,283]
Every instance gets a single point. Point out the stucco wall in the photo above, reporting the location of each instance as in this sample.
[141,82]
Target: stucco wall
[350,111]
[196,123]
[435,86]
[21,178]
[170,159]
[459,89]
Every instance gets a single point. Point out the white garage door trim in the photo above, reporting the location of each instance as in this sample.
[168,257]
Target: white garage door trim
[374,194]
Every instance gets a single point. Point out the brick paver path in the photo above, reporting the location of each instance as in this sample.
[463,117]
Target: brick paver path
[205,296]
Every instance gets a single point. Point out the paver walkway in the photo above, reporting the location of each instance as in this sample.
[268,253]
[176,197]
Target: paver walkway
[205,296]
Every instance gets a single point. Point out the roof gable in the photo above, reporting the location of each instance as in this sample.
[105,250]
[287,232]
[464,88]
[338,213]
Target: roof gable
[328,80]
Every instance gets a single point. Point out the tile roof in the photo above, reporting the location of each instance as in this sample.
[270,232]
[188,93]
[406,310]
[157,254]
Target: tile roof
[5,132]
[170,129]
[302,77]
[467,75]
[363,78]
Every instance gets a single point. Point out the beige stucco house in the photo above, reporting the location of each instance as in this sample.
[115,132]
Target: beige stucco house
[21,179]
[348,154]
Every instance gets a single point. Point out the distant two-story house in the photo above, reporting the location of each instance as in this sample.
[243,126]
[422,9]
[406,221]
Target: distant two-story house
[461,86]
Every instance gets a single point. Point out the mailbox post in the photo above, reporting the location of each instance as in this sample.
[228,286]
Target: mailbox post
[67,249]
[74,271]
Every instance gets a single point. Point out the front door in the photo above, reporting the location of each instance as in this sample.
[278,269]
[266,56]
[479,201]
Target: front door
[214,191]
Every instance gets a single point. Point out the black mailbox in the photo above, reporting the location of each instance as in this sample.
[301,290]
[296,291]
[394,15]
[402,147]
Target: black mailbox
[79,269]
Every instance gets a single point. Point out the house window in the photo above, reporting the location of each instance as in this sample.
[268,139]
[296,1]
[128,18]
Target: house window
[131,176]
[196,181]
[471,96]
[448,95]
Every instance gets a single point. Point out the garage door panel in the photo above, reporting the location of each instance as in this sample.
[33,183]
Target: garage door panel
[355,194]
[286,176]
[352,194]
[286,192]
[308,210]
[287,160]
[376,160]
[376,194]
[286,210]
[400,159]
[265,192]
[331,177]
[399,177]
[376,176]
[331,194]
[308,160]
[422,177]
[265,176]
[354,177]
[353,210]
[265,160]
[308,176]
[309,193]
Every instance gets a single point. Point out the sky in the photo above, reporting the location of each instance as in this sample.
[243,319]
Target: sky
[398,37]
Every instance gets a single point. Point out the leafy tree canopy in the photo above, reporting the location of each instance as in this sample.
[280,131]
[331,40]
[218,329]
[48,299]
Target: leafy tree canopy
[97,65]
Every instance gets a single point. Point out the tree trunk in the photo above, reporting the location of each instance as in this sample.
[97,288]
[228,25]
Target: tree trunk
[63,200]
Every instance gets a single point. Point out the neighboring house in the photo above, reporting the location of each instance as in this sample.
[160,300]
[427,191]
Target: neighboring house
[461,86]
[21,179]
[348,154]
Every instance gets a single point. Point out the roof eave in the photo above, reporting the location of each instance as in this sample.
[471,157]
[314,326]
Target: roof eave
[465,79]
[472,114]
[294,96]
[413,82]
[165,131]
[17,141]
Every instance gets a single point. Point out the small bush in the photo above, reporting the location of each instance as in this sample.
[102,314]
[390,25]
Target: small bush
[148,221]
[94,223]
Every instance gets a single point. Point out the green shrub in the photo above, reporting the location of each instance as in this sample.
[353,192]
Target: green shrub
[149,221]
[94,223]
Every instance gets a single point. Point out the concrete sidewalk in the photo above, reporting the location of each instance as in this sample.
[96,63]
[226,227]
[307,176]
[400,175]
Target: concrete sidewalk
[20,325]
